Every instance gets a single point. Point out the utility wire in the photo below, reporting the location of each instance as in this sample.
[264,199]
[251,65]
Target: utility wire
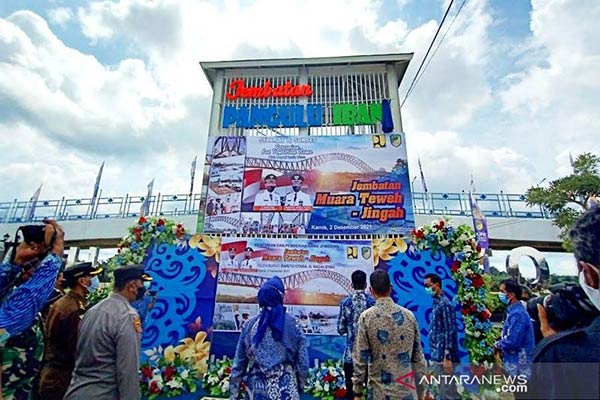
[439,44]
[426,54]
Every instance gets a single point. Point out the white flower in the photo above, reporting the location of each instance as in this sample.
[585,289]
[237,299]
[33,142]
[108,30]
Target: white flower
[225,386]
[463,238]
[184,374]
[326,387]
[444,242]
[175,384]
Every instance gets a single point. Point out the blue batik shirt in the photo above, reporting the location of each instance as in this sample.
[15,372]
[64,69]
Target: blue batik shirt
[517,341]
[347,324]
[443,336]
[21,306]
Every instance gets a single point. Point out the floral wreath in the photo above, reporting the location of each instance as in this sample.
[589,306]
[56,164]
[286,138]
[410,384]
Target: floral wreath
[134,245]
[473,285]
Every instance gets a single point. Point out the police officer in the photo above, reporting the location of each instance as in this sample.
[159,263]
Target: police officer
[268,197]
[61,329]
[108,345]
[297,198]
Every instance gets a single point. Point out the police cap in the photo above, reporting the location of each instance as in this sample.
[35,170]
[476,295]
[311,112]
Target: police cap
[130,273]
[271,176]
[81,269]
[297,177]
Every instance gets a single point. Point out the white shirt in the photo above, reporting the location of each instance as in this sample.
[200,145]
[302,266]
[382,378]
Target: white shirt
[248,263]
[229,263]
[264,198]
[294,199]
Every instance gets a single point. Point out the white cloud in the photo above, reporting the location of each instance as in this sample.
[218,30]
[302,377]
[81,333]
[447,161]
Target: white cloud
[60,16]
[554,102]
[71,96]
[448,162]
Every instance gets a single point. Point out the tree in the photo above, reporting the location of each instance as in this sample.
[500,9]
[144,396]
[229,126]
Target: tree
[568,197]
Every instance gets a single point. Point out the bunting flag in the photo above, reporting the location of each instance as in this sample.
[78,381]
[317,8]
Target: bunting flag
[480,226]
[192,174]
[33,200]
[422,176]
[97,186]
[145,209]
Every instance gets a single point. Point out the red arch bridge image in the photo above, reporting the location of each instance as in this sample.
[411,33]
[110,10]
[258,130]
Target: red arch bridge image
[292,281]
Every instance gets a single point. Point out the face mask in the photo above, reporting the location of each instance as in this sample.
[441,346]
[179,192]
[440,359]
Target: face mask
[503,298]
[429,291]
[140,293]
[147,284]
[592,294]
[94,285]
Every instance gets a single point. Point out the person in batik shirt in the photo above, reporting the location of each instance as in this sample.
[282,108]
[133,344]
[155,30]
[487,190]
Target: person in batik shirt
[388,345]
[273,345]
[347,324]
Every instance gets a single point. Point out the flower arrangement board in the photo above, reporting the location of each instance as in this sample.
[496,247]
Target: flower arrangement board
[177,333]
[407,267]
[351,184]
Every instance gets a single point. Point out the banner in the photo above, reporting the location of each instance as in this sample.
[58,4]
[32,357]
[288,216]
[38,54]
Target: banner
[316,275]
[348,184]
[480,227]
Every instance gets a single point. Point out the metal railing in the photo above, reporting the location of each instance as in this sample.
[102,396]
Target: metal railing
[457,204]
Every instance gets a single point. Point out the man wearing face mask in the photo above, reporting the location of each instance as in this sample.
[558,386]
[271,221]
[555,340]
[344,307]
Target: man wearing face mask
[443,336]
[108,345]
[517,341]
[62,325]
[567,364]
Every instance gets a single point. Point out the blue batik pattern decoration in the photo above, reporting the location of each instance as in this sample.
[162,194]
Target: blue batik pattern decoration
[186,294]
[407,271]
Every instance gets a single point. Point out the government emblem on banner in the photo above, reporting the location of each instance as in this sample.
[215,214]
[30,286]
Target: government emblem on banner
[366,252]
[352,252]
[396,140]
[378,141]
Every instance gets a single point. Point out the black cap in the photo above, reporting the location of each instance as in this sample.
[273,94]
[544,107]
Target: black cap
[249,249]
[271,176]
[129,273]
[81,269]
[297,177]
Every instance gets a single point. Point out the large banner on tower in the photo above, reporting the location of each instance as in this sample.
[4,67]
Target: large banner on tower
[349,184]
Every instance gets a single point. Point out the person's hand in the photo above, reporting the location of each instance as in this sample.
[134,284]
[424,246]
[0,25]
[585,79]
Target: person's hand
[447,364]
[545,327]
[58,246]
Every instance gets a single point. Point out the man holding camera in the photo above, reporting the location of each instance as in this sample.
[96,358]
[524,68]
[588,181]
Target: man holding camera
[61,330]
[26,283]
[567,364]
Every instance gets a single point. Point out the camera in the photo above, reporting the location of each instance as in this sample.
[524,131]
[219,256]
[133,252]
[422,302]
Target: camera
[567,307]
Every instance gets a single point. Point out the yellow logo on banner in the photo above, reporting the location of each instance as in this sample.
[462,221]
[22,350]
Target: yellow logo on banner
[352,252]
[378,141]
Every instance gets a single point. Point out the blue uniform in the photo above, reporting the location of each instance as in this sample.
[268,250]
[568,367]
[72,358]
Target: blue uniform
[20,307]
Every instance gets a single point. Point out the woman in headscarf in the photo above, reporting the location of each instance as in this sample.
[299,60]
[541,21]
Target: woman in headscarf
[271,354]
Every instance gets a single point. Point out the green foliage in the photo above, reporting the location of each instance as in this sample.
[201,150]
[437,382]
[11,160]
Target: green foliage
[99,295]
[567,197]
[473,284]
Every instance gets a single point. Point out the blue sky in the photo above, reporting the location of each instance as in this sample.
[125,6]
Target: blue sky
[511,92]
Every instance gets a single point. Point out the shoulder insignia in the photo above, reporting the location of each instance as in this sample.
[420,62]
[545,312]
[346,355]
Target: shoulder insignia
[137,325]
